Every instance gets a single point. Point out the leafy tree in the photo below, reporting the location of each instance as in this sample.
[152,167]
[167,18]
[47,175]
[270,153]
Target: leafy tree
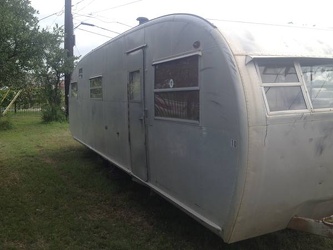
[26,51]
[50,73]
[19,41]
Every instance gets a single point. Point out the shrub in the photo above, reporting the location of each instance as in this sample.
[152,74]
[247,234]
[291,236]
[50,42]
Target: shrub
[5,123]
[52,113]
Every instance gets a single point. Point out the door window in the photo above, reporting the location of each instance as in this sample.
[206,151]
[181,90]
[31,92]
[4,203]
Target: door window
[134,86]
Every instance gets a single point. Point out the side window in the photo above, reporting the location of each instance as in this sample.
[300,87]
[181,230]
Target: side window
[74,90]
[318,77]
[80,73]
[176,88]
[281,85]
[96,87]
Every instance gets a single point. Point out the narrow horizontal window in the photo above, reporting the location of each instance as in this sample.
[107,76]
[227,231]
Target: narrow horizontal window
[277,72]
[285,98]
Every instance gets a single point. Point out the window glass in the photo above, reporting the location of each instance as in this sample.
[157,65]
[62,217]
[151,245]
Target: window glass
[319,81]
[96,90]
[178,73]
[74,89]
[96,93]
[177,89]
[277,72]
[134,86]
[80,72]
[180,104]
[285,98]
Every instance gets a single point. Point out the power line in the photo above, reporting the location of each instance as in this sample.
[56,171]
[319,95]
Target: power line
[93,25]
[79,2]
[118,6]
[77,50]
[58,13]
[104,21]
[87,5]
[94,33]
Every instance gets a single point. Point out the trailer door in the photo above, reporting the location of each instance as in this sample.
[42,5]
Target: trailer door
[136,114]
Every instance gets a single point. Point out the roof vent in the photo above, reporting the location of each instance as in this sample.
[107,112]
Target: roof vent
[142,20]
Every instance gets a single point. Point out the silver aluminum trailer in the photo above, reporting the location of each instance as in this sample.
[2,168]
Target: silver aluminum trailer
[230,121]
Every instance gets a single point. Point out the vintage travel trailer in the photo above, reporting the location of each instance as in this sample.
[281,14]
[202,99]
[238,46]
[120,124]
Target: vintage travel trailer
[230,121]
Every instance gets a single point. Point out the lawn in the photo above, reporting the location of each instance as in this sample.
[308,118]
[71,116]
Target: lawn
[57,194]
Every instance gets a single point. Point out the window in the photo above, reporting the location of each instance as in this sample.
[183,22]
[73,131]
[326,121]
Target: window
[96,90]
[74,89]
[282,88]
[284,98]
[278,72]
[181,105]
[176,93]
[134,86]
[80,73]
[318,77]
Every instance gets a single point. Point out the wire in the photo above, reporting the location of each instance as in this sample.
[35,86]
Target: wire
[87,5]
[118,6]
[106,29]
[58,13]
[78,50]
[105,20]
[93,25]
[79,2]
[94,33]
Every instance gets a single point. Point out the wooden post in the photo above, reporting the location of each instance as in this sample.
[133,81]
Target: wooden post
[11,103]
[69,43]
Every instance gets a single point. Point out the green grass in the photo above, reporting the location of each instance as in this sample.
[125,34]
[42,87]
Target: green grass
[57,194]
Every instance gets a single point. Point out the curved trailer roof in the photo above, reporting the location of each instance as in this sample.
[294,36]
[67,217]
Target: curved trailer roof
[257,40]
[264,40]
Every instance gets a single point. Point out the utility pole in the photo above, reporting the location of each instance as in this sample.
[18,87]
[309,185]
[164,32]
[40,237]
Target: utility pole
[69,43]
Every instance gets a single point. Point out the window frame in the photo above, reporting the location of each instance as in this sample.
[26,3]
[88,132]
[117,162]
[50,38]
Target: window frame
[98,87]
[177,90]
[300,83]
[131,97]
[299,62]
[77,90]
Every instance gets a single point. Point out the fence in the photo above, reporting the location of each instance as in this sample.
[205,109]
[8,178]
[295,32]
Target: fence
[21,110]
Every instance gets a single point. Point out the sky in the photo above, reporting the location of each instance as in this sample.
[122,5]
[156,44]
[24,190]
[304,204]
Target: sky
[111,17]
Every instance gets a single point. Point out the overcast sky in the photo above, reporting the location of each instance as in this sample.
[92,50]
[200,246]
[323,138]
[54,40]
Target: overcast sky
[115,16]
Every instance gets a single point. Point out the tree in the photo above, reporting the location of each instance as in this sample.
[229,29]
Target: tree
[28,52]
[50,73]
[19,41]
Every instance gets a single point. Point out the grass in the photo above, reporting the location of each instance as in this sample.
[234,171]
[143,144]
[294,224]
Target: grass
[57,194]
